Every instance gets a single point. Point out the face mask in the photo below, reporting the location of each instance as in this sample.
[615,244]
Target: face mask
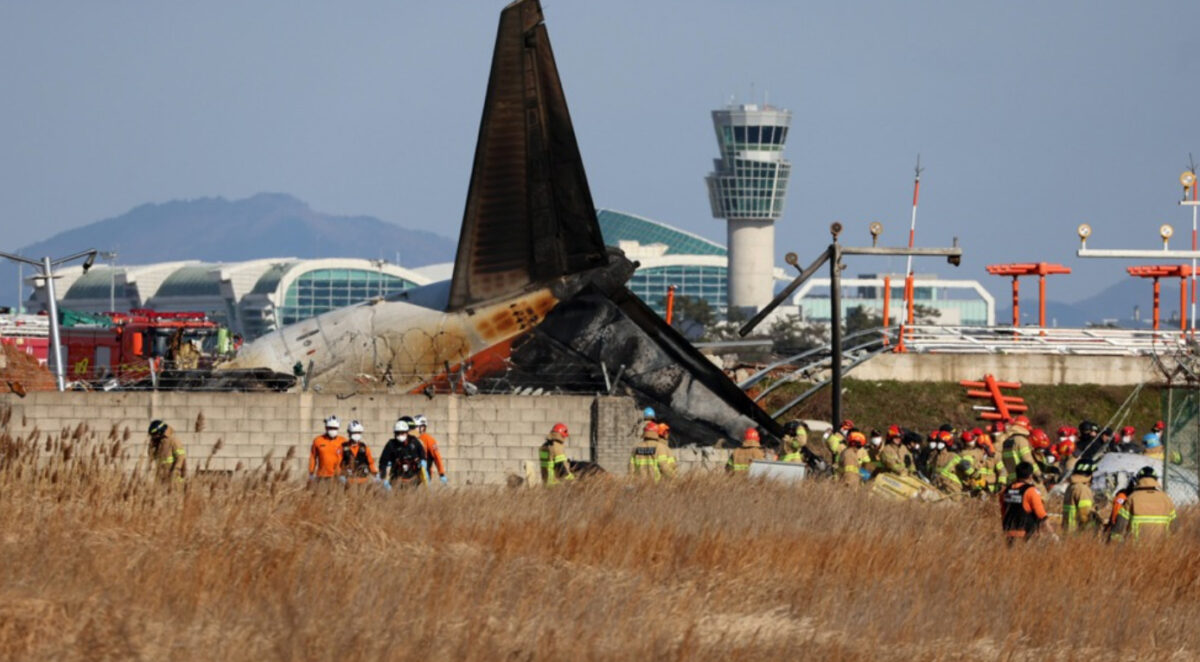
[355,436]
[970,444]
[402,436]
[941,446]
[1127,439]
[876,441]
[331,432]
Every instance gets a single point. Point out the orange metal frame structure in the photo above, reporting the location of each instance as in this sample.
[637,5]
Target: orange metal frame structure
[1180,271]
[1005,406]
[1039,269]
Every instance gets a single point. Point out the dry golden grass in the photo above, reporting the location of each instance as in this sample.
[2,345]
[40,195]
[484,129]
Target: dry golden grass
[99,564]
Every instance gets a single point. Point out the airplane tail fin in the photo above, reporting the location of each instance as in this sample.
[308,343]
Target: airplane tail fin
[529,215]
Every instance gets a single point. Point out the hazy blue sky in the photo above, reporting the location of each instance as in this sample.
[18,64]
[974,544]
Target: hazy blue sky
[1030,116]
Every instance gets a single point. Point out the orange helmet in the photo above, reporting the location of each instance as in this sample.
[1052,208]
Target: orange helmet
[968,436]
[894,432]
[560,429]
[856,438]
[751,435]
[663,429]
[1039,439]
[1022,420]
[651,426]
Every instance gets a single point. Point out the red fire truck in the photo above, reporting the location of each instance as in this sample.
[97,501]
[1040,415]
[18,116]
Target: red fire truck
[129,345]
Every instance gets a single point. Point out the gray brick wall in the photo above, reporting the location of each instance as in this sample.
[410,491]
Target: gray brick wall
[483,439]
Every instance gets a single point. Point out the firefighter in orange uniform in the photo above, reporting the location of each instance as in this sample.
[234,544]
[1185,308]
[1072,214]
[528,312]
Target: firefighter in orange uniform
[1022,513]
[325,457]
[421,424]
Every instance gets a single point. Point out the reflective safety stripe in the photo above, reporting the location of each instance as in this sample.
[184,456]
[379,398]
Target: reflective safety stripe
[646,461]
[791,457]
[549,465]
[1085,503]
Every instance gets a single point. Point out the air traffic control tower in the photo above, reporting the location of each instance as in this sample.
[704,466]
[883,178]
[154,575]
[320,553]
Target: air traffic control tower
[747,187]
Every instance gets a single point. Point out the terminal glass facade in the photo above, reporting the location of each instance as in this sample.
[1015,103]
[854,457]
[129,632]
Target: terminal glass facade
[322,290]
[695,282]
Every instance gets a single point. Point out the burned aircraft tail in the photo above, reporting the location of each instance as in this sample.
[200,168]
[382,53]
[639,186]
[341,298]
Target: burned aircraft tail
[529,216]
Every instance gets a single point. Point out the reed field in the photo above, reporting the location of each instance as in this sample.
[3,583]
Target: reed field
[100,563]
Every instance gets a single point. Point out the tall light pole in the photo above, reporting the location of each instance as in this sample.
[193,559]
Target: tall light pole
[833,254]
[1188,179]
[46,269]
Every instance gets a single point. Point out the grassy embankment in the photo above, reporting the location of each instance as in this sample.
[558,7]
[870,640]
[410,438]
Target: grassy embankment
[926,405]
[102,565]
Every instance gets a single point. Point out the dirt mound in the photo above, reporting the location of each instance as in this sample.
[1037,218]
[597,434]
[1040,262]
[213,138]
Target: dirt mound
[20,372]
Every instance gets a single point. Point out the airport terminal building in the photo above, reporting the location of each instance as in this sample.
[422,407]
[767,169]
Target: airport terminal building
[255,297]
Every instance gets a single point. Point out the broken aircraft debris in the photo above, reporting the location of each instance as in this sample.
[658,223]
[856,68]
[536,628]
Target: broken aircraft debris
[536,299]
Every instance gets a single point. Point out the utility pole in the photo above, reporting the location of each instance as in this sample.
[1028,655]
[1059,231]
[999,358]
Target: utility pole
[46,268]
[1188,180]
[834,254]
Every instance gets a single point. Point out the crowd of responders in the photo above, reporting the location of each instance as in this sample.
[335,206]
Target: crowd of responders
[1012,460]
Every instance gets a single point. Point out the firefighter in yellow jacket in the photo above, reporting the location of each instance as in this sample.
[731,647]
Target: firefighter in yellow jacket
[795,438]
[852,464]
[166,452]
[1078,500]
[751,450]
[895,458]
[651,459]
[552,457]
[1016,448]
[1148,513]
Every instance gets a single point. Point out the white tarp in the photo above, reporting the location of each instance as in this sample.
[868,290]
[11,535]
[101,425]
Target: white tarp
[791,472]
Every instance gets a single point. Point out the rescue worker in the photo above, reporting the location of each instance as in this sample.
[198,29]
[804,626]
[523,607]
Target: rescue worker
[1017,448]
[166,452]
[1022,513]
[1078,500]
[651,458]
[895,458]
[1043,459]
[404,459]
[836,441]
[664,433]
[750,450]
[946,465]
[853,461]
[1148,513]
[874,451]
[325,456]
[795,438]
[991,469]
[1065,447]
[431,448]
[1127,443]
[1153,444]
[1118,501]
[552,457]
[970,469]
[918,450]
[358,466]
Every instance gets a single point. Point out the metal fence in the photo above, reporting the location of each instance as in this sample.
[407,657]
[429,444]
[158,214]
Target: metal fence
[1181,413]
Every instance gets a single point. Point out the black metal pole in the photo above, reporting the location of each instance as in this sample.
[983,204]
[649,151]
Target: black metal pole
[835,331]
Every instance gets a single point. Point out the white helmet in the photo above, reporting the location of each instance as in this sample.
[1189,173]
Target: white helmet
[400,426]
[355,428]
[422,422]
[332,423]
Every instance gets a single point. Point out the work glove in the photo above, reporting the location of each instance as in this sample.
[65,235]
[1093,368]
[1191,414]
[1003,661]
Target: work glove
[445,481]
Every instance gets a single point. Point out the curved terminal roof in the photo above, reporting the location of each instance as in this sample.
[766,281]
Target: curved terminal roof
[617,226]
[192,281]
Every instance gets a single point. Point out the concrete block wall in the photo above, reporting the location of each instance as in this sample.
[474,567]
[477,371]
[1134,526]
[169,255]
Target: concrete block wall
[483,438]
[1027,368]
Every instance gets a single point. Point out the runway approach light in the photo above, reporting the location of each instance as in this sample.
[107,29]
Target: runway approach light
[835,229]
[1188,179]
[876,230]
[1165,231]
[1084,231]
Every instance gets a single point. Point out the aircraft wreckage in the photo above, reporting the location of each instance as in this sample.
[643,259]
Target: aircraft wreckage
[536,298]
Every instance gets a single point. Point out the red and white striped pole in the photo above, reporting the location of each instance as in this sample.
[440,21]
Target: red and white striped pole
[909,291]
